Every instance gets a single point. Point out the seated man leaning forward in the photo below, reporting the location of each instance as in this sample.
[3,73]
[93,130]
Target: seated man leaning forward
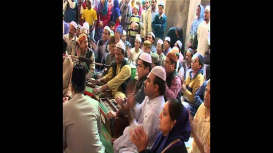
[146,114]
[118,75]
[144,66]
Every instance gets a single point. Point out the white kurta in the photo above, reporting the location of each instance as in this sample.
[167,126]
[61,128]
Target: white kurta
[202,37]
[146,114]
[135,55]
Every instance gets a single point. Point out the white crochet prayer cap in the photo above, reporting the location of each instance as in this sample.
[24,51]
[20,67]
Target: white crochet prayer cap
[160,41]
[120,45]
[139,39]
[160,72]
[168,39]
[74,24]
[83,30]
[86,25]
[145,57]
[136,6]
[151,33]
[107,28]
[207,8]
[124,33]
[179,43]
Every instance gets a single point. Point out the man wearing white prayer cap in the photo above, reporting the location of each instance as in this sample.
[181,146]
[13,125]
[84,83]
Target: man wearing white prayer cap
[146,114]
[159,50]
[136,51]
[202,33]
[167,45]
[151,38]
[144,67]
[118,75]
[71,38]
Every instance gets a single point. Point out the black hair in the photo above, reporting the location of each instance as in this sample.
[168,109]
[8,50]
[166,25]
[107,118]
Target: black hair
[146,64]
[175,109]
[111,24]
[77,89]
[64,46]
[173,62]
[152,36]
[207,72]
[180,32]
[161,85]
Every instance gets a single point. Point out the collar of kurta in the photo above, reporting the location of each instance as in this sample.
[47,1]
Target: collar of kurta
[155,99]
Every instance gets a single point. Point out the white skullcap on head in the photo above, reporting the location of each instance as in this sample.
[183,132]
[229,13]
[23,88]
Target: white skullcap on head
[145,57]
[124,33]
[139,39]
[151,33]
[107,28]
[207,8]
[168,39]
[83,30]
[161,4]
[136,6]
[74,24]
[138,35]
[160,41]
[120,45]
[179,43]
[160,72]
[86,25]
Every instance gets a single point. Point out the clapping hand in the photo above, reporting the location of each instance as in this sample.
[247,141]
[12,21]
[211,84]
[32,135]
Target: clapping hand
[139,138]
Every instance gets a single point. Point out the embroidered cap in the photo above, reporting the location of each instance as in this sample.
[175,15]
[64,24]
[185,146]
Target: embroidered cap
[160,72]
[82,37]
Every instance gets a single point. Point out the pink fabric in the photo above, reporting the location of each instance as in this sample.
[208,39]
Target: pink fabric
[172,92]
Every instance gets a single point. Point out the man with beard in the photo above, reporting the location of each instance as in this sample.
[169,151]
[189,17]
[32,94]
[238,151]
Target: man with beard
[70,38]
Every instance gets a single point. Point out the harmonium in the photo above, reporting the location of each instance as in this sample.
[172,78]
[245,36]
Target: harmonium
[114,126]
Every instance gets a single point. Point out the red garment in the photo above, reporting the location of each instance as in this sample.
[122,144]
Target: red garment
[105,19]
[84,7]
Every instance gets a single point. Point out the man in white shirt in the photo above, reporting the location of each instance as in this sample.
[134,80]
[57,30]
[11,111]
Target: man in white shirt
[134,52]
[147,113]
[71,38]
[202,33]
